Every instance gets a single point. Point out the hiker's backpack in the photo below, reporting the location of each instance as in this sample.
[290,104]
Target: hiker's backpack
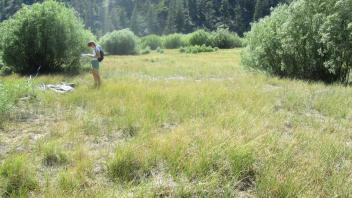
[101,58]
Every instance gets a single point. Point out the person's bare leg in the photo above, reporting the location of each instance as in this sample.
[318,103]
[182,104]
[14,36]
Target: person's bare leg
[98,78]
[95,78]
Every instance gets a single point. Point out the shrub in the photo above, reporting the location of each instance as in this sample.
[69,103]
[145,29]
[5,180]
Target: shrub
[18,177]
[47,35]
[305,40]
[160,50]
[224,39]
[122,42]
[197,49]
[200,37]
[186,39]
[173,41]
[151,41]
[5,71]
[146,50]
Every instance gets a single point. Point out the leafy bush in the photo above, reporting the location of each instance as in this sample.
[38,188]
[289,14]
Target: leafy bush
[5,70]
[160,50]
[186,39]
[152,41]
[201,37]
[224,39]
[305,40]
[122,42]
[173,41]
[146,50]
[18,177]
[197,49]
[47,35]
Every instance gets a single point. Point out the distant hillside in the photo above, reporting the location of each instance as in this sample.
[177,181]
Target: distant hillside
[160,16]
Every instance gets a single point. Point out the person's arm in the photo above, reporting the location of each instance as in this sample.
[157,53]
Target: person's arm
[89,55]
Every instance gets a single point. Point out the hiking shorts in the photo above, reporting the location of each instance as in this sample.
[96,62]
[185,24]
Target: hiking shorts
[95,64]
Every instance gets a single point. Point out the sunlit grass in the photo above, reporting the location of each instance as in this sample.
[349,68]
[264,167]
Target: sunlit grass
[185,125]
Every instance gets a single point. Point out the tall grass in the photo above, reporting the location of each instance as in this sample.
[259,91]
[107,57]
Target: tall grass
[17,177]
[182,125]
[11,91]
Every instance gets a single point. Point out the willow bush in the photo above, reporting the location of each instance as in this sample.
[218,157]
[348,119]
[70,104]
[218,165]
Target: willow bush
[152,41]
[309,40]
[201,37]
[47,35]
[173,41]
[120,42]
[225,39]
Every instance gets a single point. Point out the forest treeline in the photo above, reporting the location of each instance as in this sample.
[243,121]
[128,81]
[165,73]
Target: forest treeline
[160,16]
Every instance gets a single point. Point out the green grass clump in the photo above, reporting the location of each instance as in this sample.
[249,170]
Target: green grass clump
[17,177]
[127,166]
[68,182]
[53,154]
[195,49]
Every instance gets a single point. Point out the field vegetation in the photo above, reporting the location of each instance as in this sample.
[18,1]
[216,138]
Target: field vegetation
[178,125]
[170,121]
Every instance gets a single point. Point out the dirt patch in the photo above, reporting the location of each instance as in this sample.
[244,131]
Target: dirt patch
[247,182]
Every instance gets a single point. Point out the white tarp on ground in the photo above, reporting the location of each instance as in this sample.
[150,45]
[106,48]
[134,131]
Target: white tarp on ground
[59,88]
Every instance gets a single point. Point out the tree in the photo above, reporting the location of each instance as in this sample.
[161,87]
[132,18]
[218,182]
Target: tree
[134,20]
[152,20]
[261,9]
[160,16]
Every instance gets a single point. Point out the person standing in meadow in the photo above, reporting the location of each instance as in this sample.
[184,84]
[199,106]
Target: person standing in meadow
[98,56]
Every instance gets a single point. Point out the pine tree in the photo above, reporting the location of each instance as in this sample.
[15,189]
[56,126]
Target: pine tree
[261,9]
[160,16]
[180,16]
[152,20]
[171,16]
[134,20]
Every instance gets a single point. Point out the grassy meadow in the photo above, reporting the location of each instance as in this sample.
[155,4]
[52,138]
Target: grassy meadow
[176,125]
